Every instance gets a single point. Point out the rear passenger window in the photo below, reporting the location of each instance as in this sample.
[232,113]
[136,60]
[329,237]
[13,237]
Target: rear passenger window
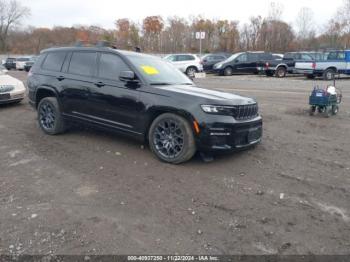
[111,66]
[82,63]
[54,61]
[185,58]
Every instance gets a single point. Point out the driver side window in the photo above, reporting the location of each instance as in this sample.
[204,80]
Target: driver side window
[242,58]
[110,66]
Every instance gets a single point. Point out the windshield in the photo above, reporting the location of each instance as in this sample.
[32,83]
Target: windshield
[158,71]
[232,57]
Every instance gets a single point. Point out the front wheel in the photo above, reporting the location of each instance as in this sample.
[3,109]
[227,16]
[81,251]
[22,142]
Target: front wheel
[171,139]
[191,71]
[228,71]
[49,116]
[335,109]
[281,72]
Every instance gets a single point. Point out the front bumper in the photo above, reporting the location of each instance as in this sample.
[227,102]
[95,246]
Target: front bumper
[12,97]
[222,137]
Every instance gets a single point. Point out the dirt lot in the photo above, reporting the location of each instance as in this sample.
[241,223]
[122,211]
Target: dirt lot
[89,192]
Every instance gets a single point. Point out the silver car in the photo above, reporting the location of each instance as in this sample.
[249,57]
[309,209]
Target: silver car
[186,63]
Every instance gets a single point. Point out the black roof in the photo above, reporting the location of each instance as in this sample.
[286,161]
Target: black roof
[96,49]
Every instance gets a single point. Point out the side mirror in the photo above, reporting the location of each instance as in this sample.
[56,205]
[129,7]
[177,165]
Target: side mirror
[236,61]
[127,76]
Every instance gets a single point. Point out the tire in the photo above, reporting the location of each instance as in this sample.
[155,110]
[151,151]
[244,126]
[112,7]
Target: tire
[161,137]
[228,71]
[329,74]
[281,72]
[327,111]
[49,116]
[312,110]
[335,109]
[310,76]
[191,71]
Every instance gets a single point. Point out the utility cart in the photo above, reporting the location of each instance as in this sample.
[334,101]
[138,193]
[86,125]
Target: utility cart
[325,100]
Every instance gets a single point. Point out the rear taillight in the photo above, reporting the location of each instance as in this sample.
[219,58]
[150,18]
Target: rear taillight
[267,64]
[313,65]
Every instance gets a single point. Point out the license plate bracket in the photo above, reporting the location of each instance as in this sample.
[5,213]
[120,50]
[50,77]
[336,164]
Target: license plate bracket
[5,97]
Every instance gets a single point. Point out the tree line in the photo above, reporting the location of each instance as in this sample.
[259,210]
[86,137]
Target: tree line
[156,34]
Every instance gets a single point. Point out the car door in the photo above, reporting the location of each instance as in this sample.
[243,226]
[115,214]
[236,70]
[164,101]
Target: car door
[184,61]
[113,102]
[76,82]
[241,64]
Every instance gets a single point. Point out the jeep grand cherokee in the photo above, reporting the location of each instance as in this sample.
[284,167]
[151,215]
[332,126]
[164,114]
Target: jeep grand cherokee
[142,96]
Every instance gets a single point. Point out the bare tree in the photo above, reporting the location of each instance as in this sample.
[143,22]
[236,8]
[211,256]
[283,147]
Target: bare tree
[305,23]
[11,14]
[275,11]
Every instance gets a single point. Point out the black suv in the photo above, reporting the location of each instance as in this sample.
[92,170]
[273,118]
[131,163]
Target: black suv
[246,63]
[142,96]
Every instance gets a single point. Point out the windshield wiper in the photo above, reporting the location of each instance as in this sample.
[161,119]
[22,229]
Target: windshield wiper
[187,84]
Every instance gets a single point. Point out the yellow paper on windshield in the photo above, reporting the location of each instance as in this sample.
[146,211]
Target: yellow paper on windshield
[150,70]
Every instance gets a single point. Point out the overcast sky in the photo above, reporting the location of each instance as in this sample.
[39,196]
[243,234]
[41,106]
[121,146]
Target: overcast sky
[49,13]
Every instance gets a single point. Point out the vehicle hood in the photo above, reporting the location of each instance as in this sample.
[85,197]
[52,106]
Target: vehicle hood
[9,80]
[207,96]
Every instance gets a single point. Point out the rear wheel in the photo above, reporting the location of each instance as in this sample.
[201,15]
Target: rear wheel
[281,72]
[327,111]
[191,71]
[312,110]
[171,139]
[228,71]
[329,74]
[49,116]
[335,109]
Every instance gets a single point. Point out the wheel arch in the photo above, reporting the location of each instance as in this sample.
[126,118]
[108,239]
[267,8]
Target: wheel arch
[331,67]
[282,65]
[154,112]
[44,91]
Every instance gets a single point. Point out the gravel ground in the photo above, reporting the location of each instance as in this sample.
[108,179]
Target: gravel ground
[90,192]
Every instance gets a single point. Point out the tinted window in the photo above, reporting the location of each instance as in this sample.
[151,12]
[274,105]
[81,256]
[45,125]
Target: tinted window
[288,56]
[264,56]
[171,58]
[242,58]
[253,57]
[111,66]
[185,58]
[82,63]
[306,57]
[336,56]
[54,61]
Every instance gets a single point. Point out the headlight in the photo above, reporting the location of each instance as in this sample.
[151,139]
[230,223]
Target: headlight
[219,110]
[6,88]
[217,66]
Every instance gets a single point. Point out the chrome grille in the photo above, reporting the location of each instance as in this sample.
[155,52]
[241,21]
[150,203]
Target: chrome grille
[244,112]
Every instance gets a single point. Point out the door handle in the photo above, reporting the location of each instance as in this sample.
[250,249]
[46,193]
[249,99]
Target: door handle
[60,78]
[100,84]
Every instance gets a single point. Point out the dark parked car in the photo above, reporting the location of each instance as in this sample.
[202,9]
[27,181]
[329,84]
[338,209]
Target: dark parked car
[28,65]
[246,63]
[208,61]
[10,63]
[142,96]
[280,68]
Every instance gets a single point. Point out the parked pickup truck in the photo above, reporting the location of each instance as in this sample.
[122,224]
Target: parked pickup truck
[280,68]
[336,62]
